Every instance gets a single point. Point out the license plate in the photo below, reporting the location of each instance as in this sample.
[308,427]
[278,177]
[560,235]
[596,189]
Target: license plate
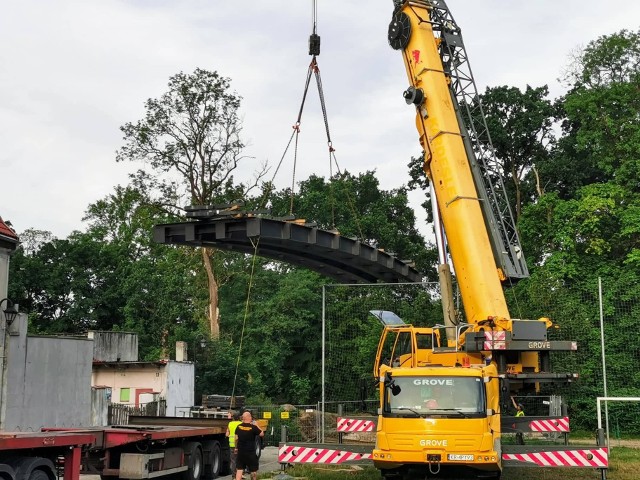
[455,457]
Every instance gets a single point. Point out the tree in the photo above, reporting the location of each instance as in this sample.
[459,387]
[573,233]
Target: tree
[66,285]
[112,277]
[190,142]
[596,179]
[521,125]
[521,128]
[605,61]
[158,290]
[587,225]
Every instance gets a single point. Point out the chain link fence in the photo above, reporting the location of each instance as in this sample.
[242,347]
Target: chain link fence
[304,423]
[352,333]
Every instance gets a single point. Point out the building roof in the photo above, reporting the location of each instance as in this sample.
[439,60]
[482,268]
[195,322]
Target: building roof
[138,364]
[8,237]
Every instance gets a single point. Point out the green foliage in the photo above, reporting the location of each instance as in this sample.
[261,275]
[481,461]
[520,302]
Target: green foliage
[280,329]
[217,367]
[299,389]
[607,60]
[521,128]
[589,217]
[64,284]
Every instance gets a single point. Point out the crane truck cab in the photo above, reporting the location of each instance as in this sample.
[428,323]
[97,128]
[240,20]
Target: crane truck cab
[437,411]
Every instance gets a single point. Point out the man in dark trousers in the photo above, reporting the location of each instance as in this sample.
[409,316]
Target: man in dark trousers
[246,434]
[231,433]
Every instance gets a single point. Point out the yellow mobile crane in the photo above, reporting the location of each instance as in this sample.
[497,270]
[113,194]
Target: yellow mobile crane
[444,391]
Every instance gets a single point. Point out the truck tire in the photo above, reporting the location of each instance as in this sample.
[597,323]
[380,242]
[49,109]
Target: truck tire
[7,472]
[212,459]
[225,465]
[193,459]
[258,447]
[34,468]
[38,475]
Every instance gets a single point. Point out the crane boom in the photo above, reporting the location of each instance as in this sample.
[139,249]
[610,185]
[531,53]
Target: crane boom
[446,163]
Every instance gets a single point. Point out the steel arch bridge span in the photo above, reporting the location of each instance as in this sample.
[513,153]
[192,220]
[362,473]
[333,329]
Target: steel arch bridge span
[343,259]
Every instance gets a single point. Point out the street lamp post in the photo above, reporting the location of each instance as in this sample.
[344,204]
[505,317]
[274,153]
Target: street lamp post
[9,313]
[200,340]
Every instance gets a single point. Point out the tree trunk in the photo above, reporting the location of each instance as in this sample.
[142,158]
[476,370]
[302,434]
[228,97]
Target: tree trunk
[214,324]
[539,188]
[540,191]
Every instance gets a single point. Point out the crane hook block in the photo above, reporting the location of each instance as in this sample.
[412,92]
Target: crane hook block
[413,96]
[314,44]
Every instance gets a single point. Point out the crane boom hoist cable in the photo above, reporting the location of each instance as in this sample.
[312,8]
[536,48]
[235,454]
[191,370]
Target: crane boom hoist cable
[314,70]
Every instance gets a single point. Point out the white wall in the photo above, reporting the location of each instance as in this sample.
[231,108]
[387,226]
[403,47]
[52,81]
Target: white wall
[49,381]
[134,376]
[180,387]
[114,346]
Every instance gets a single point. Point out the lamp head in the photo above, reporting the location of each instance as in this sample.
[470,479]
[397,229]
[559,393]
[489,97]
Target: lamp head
[11,311]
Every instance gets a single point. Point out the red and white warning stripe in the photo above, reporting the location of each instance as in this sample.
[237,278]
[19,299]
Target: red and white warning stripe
[555,425]
[495,340]
[355,425]
[597,458]
[293,454]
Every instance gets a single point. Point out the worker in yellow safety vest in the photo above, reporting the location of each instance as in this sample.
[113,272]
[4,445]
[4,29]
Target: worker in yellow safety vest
[518,407]
[231,435]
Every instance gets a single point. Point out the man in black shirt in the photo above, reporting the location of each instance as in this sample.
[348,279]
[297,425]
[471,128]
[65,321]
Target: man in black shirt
[246,434]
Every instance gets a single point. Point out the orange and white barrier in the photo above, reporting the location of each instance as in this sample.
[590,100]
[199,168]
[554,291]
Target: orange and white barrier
[295,454]
[555,425]
[355,425]
[495,340]
[597,458]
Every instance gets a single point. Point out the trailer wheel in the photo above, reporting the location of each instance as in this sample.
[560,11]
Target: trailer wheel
[213,459]
[7,472]
[38,475]
[34,468]
[258,447]
[193,459]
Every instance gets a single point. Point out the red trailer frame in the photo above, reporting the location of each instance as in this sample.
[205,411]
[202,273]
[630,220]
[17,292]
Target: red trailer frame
[69,443]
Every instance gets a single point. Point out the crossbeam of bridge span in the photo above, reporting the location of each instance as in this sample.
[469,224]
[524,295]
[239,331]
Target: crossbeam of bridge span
[343,259]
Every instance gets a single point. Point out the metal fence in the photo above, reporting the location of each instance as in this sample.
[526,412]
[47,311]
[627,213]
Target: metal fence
[601,318]
[309,423]
[118,413]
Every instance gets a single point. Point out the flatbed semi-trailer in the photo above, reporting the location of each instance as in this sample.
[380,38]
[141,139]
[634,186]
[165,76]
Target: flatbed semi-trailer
[147,448]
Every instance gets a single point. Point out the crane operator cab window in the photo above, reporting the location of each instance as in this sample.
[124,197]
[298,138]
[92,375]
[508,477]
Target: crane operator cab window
[427,396]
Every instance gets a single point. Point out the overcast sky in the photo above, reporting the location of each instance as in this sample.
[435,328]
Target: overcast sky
[73,72]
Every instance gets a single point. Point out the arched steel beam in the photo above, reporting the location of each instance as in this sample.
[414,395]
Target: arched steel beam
[343,259]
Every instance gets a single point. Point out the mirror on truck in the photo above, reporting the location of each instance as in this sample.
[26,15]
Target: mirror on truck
[391,384]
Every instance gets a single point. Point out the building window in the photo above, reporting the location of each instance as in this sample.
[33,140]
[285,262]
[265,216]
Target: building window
[124,394]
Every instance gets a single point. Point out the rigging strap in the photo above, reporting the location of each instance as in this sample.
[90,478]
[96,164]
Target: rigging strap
[255,243]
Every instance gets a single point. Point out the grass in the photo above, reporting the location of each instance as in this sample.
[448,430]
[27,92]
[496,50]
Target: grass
[624,464]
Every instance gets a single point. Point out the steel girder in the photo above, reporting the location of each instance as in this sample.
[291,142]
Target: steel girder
[343,259]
